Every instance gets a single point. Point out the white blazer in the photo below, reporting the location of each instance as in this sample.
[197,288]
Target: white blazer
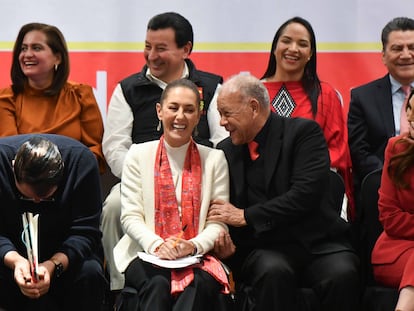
[137,199]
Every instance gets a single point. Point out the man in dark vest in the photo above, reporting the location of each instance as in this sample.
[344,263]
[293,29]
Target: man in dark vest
[132,117]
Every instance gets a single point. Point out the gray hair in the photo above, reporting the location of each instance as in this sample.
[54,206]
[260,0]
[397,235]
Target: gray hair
[248,86]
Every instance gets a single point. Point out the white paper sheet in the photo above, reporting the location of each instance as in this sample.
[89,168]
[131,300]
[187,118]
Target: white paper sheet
[177,263]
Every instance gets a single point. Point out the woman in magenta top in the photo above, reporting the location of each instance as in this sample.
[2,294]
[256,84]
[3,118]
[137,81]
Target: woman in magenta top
[296,91]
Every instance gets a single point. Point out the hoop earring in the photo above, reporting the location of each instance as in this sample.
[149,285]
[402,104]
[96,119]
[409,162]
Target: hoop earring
[56,67]
[159,126]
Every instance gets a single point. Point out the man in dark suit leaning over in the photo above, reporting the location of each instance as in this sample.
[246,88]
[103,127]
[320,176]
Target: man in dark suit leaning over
[284,238]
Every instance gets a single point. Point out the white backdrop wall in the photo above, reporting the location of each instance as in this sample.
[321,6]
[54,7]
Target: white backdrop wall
[106,37]
[214,21]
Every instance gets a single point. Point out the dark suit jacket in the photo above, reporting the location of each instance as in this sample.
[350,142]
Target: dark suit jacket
[296,173]
[370,125]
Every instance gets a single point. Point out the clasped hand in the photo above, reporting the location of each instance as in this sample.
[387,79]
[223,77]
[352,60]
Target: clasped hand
[26,283]
[174,248]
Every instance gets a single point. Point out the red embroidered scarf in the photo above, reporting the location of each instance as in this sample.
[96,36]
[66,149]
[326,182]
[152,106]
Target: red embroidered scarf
[167,216]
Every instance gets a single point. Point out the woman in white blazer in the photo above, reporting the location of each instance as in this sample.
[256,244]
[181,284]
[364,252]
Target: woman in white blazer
[166,189]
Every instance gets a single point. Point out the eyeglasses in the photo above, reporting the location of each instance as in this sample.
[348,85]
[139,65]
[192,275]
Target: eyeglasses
[26,199]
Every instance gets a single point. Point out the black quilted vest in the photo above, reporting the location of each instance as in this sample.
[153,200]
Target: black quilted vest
[142,95]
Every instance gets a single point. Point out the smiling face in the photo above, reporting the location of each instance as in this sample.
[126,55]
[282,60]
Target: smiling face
[237,117]
[164,59]
[37,60]
[292,52]
[179,113]
[398,55]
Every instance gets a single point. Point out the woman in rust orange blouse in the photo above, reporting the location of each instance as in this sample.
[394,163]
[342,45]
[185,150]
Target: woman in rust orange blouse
[41,99]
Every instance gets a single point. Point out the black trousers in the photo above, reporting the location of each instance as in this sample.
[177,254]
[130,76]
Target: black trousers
[81,289]
[153,285]
[271,279]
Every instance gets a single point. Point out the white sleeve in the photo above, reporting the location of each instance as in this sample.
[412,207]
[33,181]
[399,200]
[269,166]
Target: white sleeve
[217,132]
[117,136]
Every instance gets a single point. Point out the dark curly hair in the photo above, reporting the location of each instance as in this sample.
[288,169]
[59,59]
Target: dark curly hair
[400,163]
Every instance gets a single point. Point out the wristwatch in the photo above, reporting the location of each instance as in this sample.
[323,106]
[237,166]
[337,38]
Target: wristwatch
[58,268]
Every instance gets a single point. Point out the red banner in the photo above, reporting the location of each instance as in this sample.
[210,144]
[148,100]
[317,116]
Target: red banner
[102,70]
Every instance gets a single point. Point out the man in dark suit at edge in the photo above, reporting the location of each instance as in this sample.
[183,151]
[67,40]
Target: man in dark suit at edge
[375,107]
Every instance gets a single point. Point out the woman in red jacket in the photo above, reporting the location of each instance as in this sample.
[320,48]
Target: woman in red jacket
[393,254]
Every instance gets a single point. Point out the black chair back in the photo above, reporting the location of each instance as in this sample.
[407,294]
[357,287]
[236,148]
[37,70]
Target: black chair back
[370,228]
[337,187]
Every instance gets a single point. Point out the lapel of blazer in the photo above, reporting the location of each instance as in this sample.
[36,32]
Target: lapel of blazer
[383,101]
[236,170]
[273,147]
[271,155]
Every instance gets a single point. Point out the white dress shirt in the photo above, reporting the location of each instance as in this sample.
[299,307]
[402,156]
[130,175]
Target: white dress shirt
[398,99]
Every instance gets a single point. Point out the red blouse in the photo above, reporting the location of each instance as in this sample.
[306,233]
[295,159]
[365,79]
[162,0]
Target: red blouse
[331,118]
